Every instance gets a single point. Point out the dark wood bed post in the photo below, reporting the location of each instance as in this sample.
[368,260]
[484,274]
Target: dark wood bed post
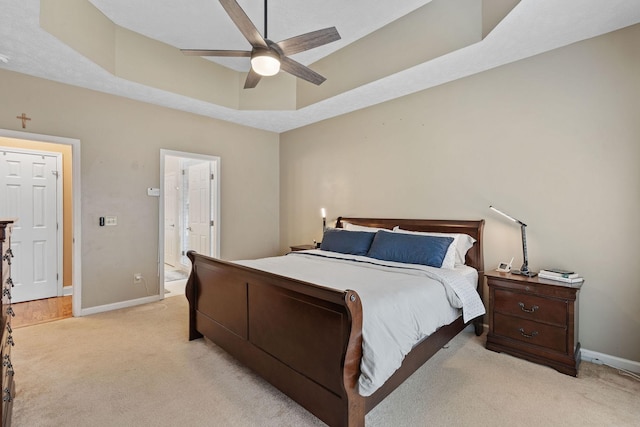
[478,324]
[356,409]
[190,291]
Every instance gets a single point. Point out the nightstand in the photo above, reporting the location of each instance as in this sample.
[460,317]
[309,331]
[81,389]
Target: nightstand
[535,319]
[302,247]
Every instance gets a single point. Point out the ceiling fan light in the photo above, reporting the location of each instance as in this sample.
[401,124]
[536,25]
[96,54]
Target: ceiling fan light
[265,63]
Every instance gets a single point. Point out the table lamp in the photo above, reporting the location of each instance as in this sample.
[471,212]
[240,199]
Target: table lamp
[524,270]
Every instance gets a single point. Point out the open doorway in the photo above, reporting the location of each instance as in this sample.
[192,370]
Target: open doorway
[189,214]
[34,152]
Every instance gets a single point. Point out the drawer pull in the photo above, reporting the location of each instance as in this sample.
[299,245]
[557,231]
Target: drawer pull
[10,312]
[533,334]
[10,281]
[533,309]
[7,395]
[7,256]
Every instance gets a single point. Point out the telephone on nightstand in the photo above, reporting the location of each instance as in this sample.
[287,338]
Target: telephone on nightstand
[503,267]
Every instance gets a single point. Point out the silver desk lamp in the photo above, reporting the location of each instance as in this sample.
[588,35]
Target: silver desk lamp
[524,270]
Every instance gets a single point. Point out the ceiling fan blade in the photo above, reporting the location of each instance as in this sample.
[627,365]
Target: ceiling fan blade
[301,71]
[308,41]
[243,23]
[252,79]
[207,52]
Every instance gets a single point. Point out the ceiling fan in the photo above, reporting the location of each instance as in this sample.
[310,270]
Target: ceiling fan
[267,57]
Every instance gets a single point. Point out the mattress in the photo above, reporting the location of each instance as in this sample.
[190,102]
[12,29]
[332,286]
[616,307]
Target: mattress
[401,303]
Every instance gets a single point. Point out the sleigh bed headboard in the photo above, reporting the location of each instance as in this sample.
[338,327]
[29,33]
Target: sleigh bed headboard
[474,258]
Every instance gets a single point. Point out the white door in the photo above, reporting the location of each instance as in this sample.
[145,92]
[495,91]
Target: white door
[171,225]
[29,191]
[199,224]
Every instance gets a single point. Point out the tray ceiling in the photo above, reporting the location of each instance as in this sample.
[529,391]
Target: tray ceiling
[530,28]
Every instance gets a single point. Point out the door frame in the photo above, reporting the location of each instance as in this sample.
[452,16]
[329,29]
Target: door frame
[215,202]
[59,210]
[76,299]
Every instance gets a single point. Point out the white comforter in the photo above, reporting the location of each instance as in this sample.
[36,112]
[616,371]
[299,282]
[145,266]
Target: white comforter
[401,303]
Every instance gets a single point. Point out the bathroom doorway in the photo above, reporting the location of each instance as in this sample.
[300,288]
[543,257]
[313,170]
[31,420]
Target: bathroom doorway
[189,220]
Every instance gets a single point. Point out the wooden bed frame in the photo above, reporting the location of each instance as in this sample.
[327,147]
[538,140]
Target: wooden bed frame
[306,339]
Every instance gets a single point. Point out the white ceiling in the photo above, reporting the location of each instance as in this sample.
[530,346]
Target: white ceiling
[533,27]
[203,24]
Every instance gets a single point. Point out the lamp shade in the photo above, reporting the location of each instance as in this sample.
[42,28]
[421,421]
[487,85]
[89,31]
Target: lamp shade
[265,62]
[506,216]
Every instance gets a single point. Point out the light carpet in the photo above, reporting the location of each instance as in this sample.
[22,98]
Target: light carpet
[136,367]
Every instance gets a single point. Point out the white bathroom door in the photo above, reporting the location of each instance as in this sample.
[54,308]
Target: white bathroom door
[200,223]
[30,192]
[171,219]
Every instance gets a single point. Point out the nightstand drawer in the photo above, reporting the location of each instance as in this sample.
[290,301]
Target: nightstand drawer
[547,336]
[531,307]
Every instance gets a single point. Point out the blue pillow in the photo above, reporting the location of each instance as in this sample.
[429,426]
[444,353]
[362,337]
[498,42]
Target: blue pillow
[410,248]
[347,242]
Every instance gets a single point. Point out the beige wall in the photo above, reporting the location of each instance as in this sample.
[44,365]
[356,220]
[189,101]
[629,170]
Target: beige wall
[120,157]
[554,140]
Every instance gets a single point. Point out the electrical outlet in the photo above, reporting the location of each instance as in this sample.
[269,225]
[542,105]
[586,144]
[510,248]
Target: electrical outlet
[137,278]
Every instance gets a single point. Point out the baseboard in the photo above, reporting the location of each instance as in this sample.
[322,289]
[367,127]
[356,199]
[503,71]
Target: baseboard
[118,305]
[613,361]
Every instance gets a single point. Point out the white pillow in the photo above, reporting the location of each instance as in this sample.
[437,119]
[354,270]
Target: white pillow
[457,249]
[353,227]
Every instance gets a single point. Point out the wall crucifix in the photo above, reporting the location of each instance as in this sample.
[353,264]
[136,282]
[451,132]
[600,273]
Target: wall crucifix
[24,119]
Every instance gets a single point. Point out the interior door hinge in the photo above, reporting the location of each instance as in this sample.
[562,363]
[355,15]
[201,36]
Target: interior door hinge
[184,171]
[212,177]
[212,223]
